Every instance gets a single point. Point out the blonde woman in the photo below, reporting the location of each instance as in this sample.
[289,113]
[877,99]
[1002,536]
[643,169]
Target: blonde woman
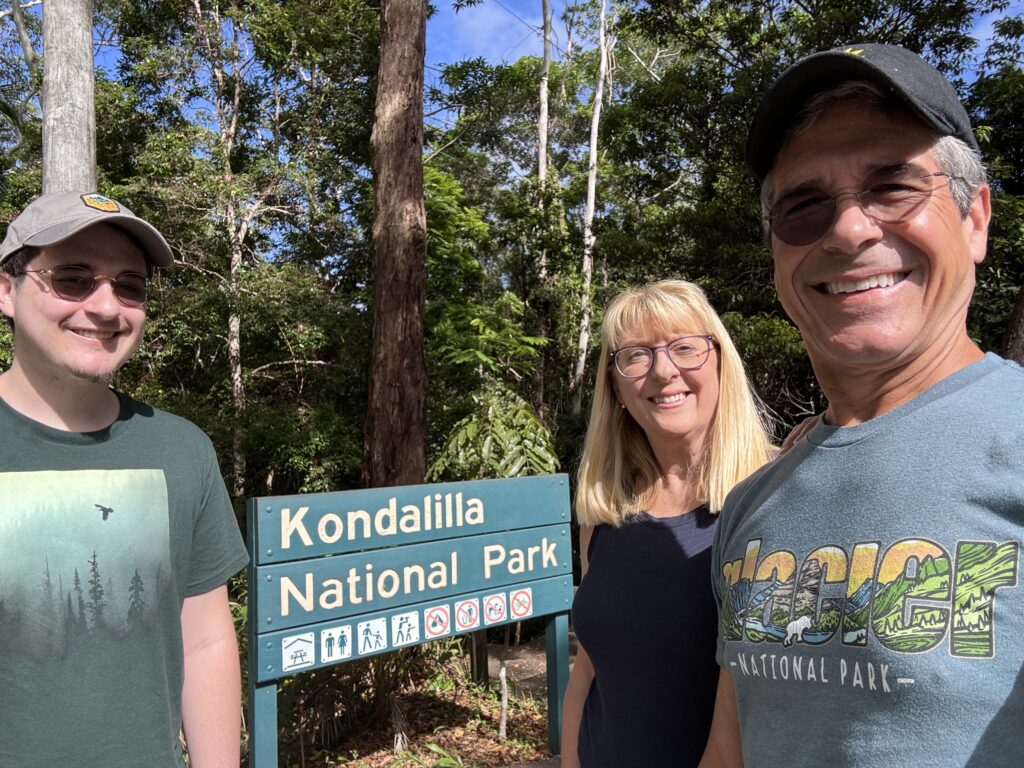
[673,427]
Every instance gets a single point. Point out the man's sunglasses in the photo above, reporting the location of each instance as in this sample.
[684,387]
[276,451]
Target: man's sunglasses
[75,283]
[806,215]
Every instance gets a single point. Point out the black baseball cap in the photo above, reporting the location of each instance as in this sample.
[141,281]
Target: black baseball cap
[903,73]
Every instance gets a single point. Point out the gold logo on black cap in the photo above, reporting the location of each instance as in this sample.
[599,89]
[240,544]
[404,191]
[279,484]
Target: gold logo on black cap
[854,52]
[100,203]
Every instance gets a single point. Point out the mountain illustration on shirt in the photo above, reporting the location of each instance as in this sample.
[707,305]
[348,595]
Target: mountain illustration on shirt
[75,573]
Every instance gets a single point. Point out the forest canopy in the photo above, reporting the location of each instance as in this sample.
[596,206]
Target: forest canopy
[242,131]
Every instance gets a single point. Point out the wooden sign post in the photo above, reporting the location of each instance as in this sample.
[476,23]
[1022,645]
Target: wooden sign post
[335,577]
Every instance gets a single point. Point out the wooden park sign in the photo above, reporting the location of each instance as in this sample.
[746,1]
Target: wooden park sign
[335,577]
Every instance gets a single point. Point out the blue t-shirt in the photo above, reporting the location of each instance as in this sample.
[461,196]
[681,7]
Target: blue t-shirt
[871,613]
[645,614]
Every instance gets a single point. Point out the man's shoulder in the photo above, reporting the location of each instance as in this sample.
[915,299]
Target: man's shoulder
[143,416]
[766,477]
[996,393]
[1002,373]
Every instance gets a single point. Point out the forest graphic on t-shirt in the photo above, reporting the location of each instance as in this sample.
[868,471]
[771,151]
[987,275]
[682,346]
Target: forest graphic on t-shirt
[86,558]
[910,596]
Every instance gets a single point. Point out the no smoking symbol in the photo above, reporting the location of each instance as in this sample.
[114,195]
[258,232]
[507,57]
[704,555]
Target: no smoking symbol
[522,603]
[436,621]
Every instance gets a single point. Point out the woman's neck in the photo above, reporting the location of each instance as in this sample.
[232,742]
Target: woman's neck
[680,492]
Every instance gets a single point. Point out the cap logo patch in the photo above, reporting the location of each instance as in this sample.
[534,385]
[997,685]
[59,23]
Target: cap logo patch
[100,203]
[854,51]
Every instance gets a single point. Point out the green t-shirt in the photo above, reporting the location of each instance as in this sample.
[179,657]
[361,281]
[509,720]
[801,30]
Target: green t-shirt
[102,537]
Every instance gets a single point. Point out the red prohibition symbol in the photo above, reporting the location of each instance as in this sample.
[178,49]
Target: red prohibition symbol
[436,621]
[522,603]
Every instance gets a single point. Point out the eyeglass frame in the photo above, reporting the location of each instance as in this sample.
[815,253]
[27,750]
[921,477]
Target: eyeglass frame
[709,339]
[48,272]
[834,200]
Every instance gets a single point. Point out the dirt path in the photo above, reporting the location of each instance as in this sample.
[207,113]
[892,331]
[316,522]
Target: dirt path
[526,669]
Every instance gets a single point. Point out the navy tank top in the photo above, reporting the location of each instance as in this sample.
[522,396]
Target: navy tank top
[646,616]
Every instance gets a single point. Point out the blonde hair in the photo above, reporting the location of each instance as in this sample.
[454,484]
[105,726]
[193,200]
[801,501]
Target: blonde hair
[619,474]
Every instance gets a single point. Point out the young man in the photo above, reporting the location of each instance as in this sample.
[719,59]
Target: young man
[116,531]
[867,580]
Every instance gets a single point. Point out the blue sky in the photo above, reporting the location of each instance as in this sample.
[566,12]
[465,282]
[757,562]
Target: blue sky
[984,28]
[500,30]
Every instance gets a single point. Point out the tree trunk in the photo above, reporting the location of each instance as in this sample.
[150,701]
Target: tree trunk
[542,303]
[395,435]
[69,118]
[235,362]
[479,665]
[1013,341]
[570,48]
[587,268]
[542,117]
[28,53]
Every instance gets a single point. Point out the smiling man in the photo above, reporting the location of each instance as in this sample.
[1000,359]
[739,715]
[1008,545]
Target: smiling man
[867,580]
[116,534]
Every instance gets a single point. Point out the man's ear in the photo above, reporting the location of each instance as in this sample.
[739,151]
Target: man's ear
[7,294]
[975,224]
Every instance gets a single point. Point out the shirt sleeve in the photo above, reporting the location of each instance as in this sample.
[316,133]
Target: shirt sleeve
[717,586]
[218,552]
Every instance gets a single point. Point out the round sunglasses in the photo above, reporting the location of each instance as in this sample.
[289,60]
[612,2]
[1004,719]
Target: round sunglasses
[75,283]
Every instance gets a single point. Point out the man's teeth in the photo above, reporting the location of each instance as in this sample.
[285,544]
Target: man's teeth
[100,335]
[875,281]
[670,399]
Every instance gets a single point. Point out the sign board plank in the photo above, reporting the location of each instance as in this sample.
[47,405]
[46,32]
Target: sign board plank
[312,525]
[301,649]
[340,576]
[308,591]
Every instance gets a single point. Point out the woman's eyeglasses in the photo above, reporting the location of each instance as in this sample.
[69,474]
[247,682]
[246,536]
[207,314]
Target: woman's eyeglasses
[686,353]
[74,283]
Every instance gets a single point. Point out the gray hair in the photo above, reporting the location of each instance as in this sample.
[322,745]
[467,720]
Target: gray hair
[955,158]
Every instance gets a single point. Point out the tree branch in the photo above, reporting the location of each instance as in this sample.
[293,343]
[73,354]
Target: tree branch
[259,371]
[650,71]
[27,51]
[443,147]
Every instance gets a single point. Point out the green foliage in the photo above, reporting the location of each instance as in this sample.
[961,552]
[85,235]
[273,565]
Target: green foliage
[777,364]
[6,346]
[489,339]
[997,101]
[501,438]
[441,758]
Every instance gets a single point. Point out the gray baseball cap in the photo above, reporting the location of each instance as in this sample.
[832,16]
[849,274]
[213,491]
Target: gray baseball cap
[906,75]
[52,219]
